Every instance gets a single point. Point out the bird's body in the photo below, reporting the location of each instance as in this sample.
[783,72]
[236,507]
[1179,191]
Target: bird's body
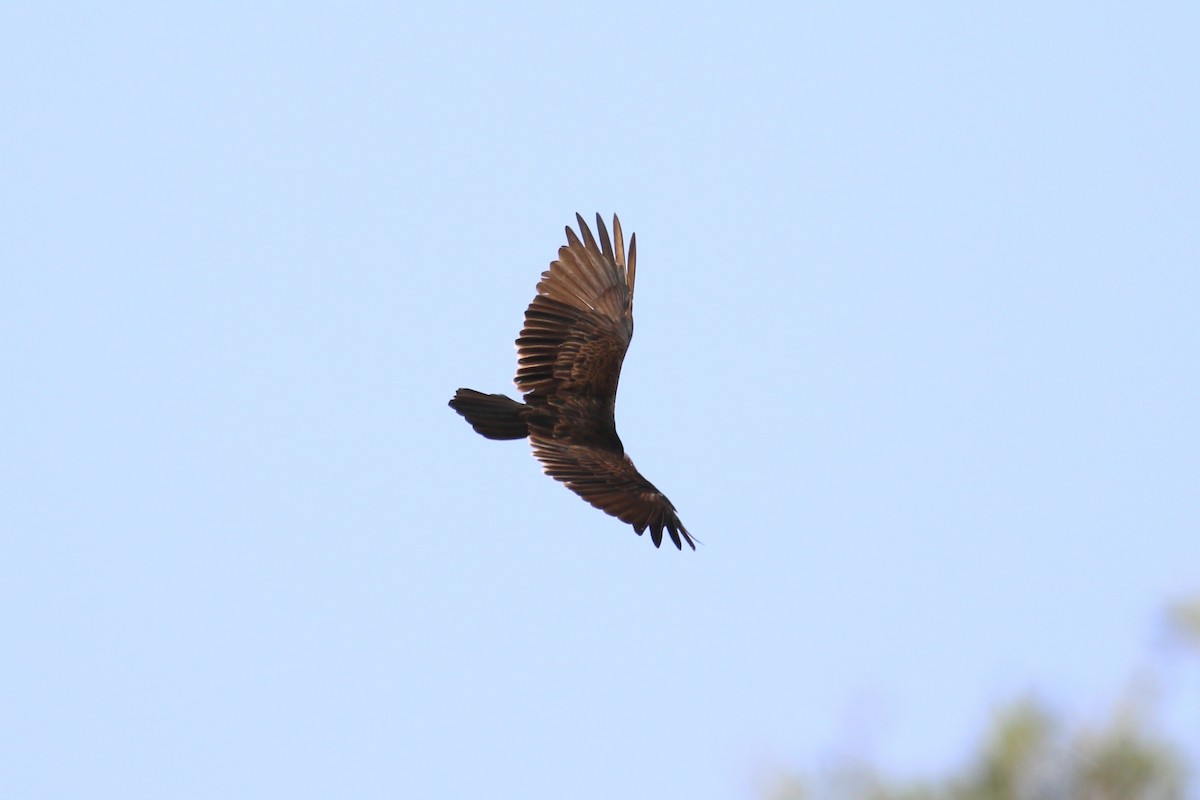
[569,355]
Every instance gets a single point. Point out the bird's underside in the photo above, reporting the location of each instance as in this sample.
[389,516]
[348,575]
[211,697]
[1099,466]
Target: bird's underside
[569,356]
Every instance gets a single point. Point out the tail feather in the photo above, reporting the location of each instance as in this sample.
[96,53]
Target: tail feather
[492,415]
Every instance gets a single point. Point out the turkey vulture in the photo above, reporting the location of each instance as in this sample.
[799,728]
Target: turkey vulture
[569,358]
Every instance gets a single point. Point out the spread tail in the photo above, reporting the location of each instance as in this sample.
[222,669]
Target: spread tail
[492,415]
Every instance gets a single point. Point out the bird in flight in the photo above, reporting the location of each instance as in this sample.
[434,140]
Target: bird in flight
[569,357]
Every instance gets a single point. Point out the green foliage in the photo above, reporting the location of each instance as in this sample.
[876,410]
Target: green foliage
[1029,754]
[1183,618]
[1026,756]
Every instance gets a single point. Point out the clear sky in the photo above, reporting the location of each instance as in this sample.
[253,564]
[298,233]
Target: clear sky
[916,358]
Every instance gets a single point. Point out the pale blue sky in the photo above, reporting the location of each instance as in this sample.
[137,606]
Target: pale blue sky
[916,359]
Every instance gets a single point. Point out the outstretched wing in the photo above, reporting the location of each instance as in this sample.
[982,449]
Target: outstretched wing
[610,482]
[569,358]
[578,327]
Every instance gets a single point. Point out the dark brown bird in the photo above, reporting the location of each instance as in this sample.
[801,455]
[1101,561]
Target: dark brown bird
[569,359]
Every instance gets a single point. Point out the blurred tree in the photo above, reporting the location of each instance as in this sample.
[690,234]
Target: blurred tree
[1030,755]
[1183,619]
[1026,756]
